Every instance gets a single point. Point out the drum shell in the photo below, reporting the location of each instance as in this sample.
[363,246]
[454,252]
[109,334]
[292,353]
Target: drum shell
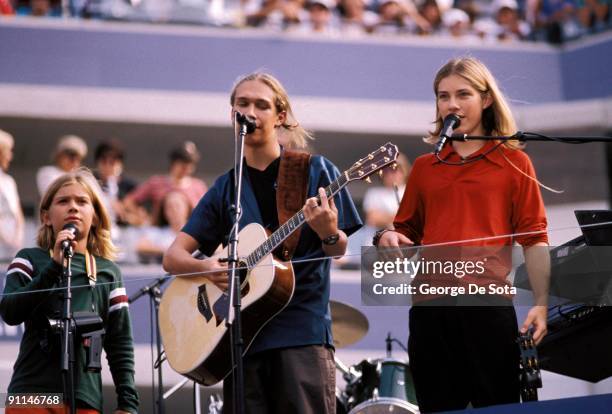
[382,378]
[385,406]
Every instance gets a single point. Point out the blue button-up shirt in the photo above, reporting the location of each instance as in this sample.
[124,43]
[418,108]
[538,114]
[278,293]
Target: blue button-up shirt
[306,320]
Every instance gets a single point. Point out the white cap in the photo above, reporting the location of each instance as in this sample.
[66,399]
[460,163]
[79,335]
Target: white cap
[71,143]
[454,16]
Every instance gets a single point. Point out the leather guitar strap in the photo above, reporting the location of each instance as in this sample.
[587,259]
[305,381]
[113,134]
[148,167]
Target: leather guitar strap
[291,190]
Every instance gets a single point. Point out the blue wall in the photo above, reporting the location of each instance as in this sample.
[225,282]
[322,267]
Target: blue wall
[208,60]
[590,80]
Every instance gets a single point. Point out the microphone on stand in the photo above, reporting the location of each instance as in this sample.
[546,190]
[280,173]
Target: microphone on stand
[246,122]
[66,244]
[451,122]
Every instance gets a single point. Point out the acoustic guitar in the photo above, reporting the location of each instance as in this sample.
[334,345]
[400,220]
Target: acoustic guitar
[193,311]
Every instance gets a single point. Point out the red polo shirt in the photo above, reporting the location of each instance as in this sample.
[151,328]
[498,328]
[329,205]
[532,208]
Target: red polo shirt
[489,197]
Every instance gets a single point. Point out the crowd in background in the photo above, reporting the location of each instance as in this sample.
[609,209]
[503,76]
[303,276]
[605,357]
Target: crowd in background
[553,21]
[148,215]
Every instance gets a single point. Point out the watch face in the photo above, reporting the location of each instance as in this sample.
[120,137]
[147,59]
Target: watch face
[333,239]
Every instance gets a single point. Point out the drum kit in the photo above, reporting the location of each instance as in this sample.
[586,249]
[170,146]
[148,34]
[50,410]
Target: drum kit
[373,386]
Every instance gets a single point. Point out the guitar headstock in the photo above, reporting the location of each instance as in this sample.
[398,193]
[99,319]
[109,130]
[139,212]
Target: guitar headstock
[374,161]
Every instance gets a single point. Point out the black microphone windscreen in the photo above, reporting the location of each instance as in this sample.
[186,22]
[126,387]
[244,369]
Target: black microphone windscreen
[73,227]
[453,121]
[246,121]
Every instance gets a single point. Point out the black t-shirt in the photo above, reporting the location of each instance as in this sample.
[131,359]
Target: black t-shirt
[264,187]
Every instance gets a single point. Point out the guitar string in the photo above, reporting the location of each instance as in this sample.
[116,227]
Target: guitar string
[403,249]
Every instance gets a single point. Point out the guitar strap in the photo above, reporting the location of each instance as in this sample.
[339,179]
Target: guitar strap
[291,190]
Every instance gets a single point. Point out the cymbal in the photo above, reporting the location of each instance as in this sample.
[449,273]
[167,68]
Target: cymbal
[349,325]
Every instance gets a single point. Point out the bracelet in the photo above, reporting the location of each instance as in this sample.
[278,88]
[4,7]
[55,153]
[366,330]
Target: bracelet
[378,235]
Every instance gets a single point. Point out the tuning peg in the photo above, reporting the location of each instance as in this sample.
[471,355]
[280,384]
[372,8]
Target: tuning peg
[380,173]
[368,180]
[394,166]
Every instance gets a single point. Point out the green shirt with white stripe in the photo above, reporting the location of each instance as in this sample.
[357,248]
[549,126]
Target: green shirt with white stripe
[30,298]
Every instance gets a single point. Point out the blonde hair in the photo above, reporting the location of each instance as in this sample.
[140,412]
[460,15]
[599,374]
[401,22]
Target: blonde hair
[497,119]
[296,136]
[99,241]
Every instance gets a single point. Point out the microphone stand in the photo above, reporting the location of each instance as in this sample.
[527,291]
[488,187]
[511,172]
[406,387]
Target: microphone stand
[234,305]
[67,361]
[152,289]
[519,136]
[530,136]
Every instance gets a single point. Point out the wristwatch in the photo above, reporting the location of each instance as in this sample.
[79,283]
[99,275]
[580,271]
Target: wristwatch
[330,240]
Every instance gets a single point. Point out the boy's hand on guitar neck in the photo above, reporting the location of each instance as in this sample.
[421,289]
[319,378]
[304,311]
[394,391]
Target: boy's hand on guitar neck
[323,218]
[216,272]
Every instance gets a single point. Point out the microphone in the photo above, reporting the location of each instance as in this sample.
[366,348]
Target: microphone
[451,122]
[75,232]
[246,121]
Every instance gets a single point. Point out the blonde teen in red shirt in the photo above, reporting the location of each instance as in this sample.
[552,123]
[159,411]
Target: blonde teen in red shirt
[460,354]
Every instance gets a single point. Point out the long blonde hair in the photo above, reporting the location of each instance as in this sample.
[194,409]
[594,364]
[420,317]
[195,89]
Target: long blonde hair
[296,136]
[99,241]
[497,119]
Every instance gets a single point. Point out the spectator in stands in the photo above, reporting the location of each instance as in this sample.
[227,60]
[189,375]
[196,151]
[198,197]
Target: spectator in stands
[183,160]
[6,8]
[153,241]
[594,15]
[69,153]
[380,204]
[275,14]
[506,24]
[391,18]
[398,16]
[356,17]
[553,20]
[40,8]
[109,156]
[473,8]
[457,24]
[11,216]
[321,18]
[430,11]
[172,198]
[511,27]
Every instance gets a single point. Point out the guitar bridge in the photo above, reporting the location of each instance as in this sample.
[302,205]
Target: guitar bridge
[203,303]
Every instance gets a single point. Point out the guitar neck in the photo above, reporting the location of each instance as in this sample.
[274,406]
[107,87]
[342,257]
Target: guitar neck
[291,225]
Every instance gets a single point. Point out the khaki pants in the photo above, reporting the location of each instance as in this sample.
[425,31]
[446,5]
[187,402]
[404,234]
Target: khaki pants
[299,380]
